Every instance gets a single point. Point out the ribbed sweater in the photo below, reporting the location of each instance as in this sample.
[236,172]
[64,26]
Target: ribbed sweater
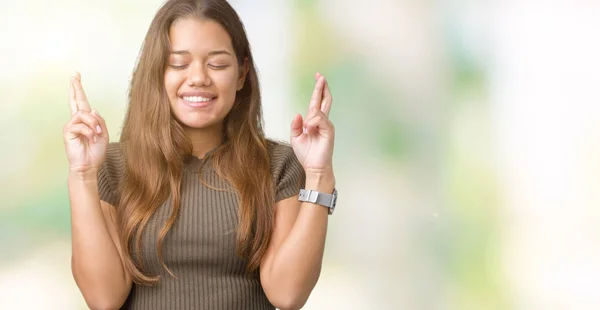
[200,248]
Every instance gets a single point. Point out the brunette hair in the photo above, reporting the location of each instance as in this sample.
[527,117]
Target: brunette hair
[155,144]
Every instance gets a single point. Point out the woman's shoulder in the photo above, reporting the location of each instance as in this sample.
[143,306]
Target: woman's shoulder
[288,174]
[115,153]
[115,147]
[114,162]
[110,174]
[279,150]
[282,156]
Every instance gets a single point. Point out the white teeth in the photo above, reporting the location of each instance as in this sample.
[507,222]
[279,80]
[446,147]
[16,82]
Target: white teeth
[196,99]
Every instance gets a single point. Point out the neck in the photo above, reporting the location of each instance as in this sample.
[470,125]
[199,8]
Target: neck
[205,139]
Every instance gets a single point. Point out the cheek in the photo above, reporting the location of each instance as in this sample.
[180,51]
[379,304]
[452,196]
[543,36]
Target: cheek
[226,83]
[172,83]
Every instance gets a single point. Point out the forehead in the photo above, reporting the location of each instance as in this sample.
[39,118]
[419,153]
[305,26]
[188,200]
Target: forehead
[198,36]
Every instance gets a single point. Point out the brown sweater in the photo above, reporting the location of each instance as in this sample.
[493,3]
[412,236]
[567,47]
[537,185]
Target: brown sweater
[200,247]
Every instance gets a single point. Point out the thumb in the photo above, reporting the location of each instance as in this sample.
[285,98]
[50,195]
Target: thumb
[297,126]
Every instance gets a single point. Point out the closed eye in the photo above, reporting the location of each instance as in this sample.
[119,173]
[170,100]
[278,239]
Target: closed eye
[178,67]
[218,67]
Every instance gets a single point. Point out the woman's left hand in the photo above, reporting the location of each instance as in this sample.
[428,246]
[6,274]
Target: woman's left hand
[312,137]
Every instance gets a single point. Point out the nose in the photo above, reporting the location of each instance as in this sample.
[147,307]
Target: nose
[198,76]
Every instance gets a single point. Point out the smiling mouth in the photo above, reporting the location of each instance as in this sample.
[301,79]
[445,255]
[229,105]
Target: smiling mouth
[197,101]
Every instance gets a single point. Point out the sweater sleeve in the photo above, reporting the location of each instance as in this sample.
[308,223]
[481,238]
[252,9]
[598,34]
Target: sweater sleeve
[288,173]
[109,174]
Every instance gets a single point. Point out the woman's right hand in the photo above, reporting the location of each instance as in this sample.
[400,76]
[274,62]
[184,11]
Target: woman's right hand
[85,135]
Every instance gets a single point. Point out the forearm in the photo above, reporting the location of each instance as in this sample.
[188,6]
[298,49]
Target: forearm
[96,264]
[297,264]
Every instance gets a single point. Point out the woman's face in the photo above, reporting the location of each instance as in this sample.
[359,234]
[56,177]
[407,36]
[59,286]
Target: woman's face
[202,73]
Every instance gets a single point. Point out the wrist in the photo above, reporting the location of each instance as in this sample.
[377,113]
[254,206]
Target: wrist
[89,175]
[322,181]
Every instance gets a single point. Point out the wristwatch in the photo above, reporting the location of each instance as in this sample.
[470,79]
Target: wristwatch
[326,200]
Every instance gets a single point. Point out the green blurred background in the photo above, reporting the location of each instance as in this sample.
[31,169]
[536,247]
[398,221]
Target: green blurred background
[467,142]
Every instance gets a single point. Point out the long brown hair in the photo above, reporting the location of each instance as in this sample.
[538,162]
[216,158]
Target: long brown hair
[151,132]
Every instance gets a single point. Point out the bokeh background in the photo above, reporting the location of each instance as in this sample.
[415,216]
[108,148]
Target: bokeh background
[467,153]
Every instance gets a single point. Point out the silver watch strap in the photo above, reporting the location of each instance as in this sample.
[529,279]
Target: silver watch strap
[312,196]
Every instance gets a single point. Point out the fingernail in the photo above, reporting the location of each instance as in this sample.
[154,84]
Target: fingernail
[95,112]
[94,139]
[98,129]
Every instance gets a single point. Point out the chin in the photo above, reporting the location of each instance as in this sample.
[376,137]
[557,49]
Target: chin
[199,123]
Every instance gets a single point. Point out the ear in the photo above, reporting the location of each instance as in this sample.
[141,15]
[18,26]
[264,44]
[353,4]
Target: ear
[243,73]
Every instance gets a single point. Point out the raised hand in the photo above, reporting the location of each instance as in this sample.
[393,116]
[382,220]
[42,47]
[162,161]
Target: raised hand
[312,138]
[85,135]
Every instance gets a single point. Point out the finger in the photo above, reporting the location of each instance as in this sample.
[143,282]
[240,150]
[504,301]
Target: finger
[87,119]
[102,123]
[318,122]
[72,102]
[297,126]
[80,130]
[315,99]
[312,124]
[80,97]
[327,99]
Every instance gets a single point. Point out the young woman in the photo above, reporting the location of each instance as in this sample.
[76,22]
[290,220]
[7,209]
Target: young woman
[194,208]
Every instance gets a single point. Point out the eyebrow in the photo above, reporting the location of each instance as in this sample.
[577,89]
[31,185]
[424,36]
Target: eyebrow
[211,53]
